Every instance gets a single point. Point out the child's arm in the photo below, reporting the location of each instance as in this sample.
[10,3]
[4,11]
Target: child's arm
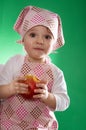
[58,99]
[45,96]
[4,91]
[12,89]
[50,101]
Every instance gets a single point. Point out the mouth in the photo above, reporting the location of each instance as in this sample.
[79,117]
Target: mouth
[39,49]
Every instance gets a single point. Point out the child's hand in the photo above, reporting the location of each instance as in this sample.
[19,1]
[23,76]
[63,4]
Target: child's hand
[42,91]
[18,88]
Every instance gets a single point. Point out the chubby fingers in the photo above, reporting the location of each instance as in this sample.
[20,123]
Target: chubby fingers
[41,91]
[21,88]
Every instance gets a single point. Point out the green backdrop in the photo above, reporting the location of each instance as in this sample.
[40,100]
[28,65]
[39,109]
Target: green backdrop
[70,58]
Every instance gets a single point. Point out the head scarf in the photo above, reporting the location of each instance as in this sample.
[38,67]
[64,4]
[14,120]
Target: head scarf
[32,16]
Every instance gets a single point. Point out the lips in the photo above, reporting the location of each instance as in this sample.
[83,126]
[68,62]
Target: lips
[40,49]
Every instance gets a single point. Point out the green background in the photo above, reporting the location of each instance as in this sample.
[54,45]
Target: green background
[70,58]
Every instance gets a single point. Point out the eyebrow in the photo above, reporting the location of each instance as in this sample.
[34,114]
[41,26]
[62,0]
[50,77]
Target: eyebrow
[32,29]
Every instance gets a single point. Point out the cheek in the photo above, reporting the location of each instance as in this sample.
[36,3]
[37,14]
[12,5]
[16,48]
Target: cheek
[49,48]
[26,46]
[51,44]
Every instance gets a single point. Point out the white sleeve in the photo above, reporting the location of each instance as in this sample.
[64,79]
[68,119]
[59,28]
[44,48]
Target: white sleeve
[11,69]
[1,67]
[59,90]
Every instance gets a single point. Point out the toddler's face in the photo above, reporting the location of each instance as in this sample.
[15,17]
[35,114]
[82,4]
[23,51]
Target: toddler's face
[38,43]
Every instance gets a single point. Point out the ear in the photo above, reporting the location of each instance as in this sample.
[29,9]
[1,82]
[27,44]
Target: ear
[60,38]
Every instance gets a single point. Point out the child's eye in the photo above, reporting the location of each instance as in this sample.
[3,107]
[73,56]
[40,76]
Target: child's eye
[48,37]
[32,34]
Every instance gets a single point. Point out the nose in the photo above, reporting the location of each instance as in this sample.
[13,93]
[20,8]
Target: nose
[40,40]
